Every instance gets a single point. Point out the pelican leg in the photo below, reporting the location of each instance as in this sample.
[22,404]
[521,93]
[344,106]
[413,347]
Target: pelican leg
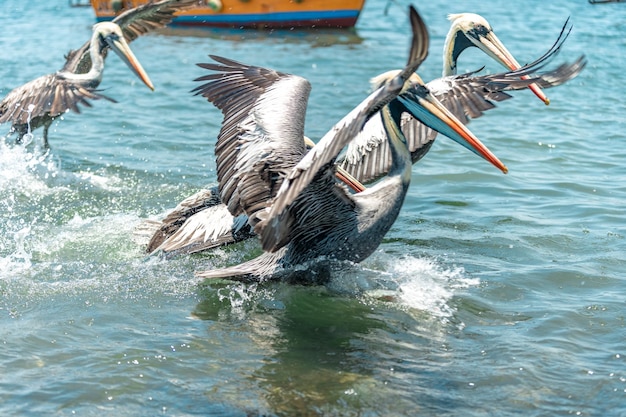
[46,126]
[20,130]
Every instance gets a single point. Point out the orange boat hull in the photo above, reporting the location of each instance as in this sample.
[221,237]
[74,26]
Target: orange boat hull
[260,14]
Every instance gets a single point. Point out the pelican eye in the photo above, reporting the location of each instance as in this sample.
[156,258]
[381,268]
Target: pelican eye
[421,89]
[479,31]
[114,36]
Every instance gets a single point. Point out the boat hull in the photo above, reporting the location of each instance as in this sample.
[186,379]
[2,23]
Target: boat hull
[256,14]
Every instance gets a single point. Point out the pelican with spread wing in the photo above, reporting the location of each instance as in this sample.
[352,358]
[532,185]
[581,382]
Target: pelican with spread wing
[291,197]
[40,101]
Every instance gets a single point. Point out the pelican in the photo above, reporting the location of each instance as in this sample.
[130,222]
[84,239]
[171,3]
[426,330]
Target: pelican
[40,101]
[201,222]
[312,219]
[368,158]
[291,197]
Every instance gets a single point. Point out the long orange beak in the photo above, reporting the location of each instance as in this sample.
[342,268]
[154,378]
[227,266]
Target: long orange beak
[121,48]
[434,114]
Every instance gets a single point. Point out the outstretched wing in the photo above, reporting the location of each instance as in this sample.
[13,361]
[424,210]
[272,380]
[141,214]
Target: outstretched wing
[134,23]
[47,94]
[262,134]
[468,96]
[198,223]
[150,16]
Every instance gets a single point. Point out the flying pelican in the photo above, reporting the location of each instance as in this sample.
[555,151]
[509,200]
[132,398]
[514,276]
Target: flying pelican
[40,101]
[201,222]
[291,198]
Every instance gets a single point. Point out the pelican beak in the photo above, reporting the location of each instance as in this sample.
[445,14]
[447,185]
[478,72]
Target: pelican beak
[121,48]
[491,45]
[435,115]
[349,180]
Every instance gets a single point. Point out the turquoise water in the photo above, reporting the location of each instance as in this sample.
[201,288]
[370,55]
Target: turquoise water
[492,295]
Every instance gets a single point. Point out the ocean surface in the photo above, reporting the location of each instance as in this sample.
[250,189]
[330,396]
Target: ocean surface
[492,295]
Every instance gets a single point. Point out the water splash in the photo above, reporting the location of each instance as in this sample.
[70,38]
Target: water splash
[423,284]
[21,253]
[24,170]
[24,176]
[239,297]
[111,183]
[418,284]
[20,259]
[426,285]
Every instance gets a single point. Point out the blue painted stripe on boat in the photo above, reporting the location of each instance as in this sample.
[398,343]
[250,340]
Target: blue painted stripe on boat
[269,17]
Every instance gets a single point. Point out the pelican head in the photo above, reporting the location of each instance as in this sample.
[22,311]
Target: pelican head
[470,29]
[111,35]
